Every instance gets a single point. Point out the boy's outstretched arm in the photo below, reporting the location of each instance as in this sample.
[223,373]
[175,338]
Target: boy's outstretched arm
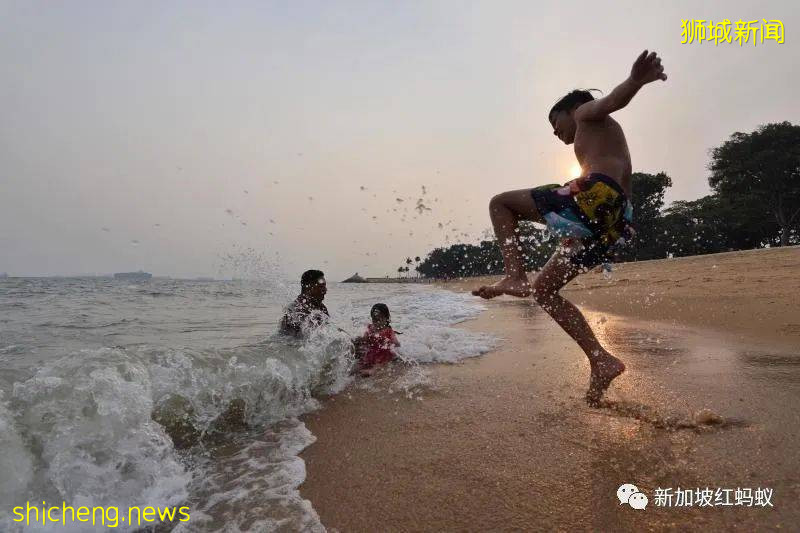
[646,69]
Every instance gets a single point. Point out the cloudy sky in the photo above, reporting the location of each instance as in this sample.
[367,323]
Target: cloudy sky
[174,136]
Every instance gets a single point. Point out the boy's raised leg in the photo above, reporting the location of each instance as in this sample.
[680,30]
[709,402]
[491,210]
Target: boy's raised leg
[554,275]
[506,210]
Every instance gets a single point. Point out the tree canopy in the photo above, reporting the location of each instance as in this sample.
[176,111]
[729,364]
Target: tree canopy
[759,174]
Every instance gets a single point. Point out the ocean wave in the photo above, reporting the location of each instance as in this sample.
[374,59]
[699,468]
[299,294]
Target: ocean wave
[426,321]
[13,349]
[87,417]
[81,428]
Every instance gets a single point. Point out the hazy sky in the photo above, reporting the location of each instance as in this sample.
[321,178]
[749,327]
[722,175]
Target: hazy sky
[144,134]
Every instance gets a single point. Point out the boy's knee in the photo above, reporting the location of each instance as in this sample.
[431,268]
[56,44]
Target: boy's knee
[496,202]
[542,295]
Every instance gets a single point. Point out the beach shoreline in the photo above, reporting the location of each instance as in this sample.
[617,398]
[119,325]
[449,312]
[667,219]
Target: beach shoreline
[505,441]
[746,294]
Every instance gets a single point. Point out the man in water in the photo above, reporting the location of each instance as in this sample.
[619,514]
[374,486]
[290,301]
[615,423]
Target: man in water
[176,412]
[591,214]
[307,311]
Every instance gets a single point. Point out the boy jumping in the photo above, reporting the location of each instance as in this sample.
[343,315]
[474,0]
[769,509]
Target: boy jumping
[591,214]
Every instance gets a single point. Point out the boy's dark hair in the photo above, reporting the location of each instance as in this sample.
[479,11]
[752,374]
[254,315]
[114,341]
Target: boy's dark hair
[572,99]
[383,309]
[310,277]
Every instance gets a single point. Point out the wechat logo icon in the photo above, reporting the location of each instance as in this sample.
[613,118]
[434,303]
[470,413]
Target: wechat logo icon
[629,493]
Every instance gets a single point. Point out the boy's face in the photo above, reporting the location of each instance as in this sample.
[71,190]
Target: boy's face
[563,126]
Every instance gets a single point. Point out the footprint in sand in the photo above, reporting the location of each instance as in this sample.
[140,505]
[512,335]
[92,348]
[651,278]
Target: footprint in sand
[702,420]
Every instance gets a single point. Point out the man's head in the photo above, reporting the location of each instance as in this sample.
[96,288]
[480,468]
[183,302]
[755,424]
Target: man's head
[312,284]
[561,115]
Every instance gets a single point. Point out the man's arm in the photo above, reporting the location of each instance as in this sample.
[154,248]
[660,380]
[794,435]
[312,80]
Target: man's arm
[289,326]
[646,69]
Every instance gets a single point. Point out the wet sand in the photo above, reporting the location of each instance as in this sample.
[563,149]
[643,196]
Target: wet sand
[753,294]
[505,441]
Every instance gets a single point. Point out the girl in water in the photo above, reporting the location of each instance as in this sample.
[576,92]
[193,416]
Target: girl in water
[374,348]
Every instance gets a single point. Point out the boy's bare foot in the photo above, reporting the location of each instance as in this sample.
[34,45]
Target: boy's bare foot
[605,368]
[519,287]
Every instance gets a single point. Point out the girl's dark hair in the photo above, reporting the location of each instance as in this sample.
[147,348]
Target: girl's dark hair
[572,99]
[382,309]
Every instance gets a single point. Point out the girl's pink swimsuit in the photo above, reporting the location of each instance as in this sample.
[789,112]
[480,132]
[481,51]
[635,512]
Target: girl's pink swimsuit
[379,346]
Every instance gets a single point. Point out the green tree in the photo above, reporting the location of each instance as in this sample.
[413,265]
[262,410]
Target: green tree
[648,200]
[758,174]
[697,227]
[459,260]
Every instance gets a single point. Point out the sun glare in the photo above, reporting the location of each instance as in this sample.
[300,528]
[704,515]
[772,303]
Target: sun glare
[575,170]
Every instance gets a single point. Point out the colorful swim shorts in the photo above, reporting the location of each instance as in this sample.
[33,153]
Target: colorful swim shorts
[592,210]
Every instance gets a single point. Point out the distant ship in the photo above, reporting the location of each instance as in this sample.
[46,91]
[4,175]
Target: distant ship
[133,276]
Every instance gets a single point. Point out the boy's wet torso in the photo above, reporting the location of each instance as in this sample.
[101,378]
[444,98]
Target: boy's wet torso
[600,146]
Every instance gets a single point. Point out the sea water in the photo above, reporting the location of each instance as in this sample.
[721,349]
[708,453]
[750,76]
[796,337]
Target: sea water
[85,361]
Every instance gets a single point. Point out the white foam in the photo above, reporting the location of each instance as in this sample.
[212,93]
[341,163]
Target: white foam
[88,415]
[264,486]
[426,320]
[80,430]
[16,462]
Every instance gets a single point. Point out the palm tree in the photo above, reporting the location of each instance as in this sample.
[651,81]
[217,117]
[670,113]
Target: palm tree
[399,271]
[417,260]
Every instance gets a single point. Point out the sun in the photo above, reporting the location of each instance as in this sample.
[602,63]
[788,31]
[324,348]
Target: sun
[575,170]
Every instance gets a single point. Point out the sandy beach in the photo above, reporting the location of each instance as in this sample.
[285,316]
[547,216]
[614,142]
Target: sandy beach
[505,442]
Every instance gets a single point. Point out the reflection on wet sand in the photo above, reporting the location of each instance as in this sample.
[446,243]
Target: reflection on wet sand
[738,403]
[507,441]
